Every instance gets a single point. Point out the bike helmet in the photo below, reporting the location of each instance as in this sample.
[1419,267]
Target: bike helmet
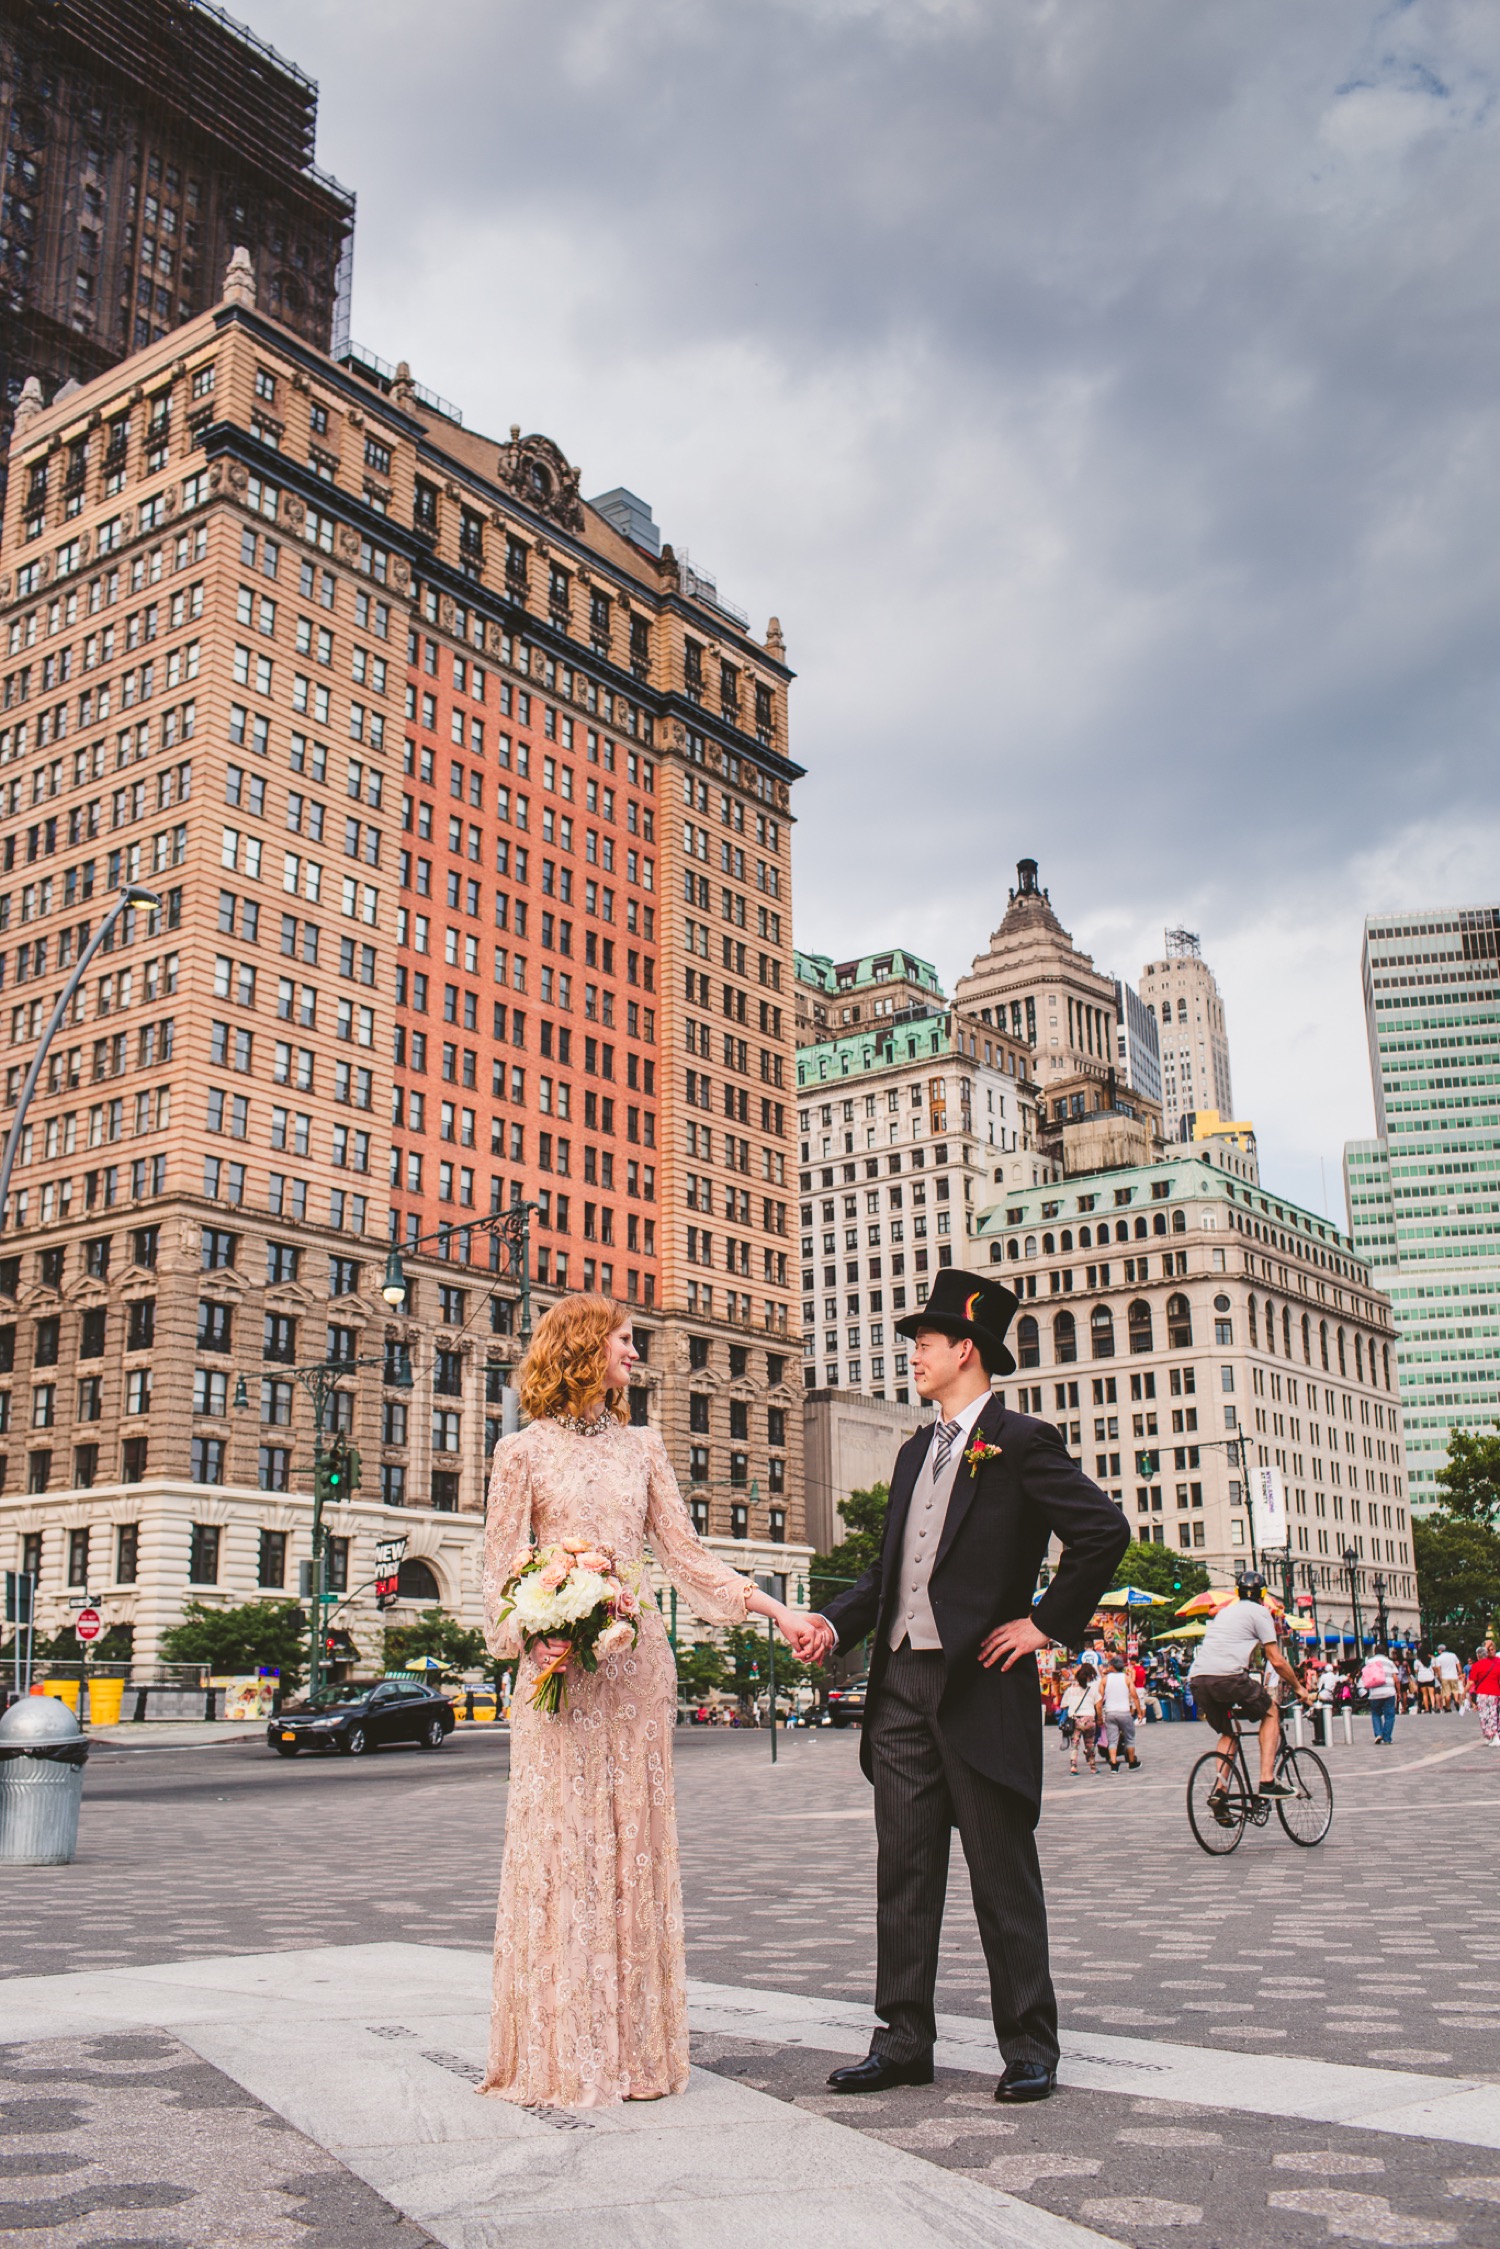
[1250,1585]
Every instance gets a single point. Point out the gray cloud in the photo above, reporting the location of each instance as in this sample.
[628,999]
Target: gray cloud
[1104,398]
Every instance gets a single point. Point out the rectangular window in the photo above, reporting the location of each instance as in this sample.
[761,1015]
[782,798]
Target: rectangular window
[203,1539]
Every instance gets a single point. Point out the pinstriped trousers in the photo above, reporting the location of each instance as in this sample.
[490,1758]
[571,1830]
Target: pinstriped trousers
[923,1790]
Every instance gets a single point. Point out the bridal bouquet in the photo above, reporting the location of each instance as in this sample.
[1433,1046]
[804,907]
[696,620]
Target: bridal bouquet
[575,1592]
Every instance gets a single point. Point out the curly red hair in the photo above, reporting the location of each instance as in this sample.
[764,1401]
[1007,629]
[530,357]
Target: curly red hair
[565,1365]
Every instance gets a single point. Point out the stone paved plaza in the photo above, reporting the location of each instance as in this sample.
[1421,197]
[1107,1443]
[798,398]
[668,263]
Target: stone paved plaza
[1281,2047]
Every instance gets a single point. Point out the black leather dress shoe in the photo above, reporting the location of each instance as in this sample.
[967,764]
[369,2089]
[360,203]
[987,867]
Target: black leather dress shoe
[875,2072]
[1026,2081]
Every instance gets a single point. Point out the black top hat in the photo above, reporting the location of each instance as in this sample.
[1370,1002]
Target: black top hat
[965,1304]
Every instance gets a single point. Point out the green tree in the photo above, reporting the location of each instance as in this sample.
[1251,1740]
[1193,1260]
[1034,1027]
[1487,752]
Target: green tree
[434,1634]
[747,1668]
[1458,1577]
[864,1526]
[1161,1569]
[700,1669]
[1470,1477]
[259,1634]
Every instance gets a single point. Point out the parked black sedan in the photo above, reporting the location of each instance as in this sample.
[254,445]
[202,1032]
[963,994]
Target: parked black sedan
[364,1714]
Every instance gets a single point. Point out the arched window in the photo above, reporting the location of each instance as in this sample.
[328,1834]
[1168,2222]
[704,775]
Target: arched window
[1179,1221]
[1065,1338]
[1049,1246]
[1085,1238]
[1254,1329]
[1067,1241]
[1031,1245]
[1139,1317]
[1343,1362]
[1179,1324]
[1028,1342]
[415,1582]
[1102,1332]
[1307,1339]
[997,1252]
[1323,1342]
[1385,1354]
[1159,1222]
[1013,1247]
[1122,1229]
[1140,1229]
[1286,1329]
[1270,1326]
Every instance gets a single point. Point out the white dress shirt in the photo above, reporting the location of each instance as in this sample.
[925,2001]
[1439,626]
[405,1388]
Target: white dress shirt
[925,1517]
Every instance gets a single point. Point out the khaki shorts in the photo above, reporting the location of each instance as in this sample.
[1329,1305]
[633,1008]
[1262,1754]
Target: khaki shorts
[1237,1694]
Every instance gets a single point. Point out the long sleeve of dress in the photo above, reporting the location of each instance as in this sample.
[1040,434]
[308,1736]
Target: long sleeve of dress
[717,1593]
[507,1534]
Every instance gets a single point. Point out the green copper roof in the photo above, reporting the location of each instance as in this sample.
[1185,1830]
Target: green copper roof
[839,978]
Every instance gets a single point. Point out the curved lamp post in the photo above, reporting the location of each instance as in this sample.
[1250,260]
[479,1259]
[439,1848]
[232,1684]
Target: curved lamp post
[132,895]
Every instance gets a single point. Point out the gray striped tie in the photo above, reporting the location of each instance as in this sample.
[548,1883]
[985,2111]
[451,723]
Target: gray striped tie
[946,1432]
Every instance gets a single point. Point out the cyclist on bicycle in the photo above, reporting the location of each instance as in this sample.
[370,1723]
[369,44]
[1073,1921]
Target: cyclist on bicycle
[1224,1686]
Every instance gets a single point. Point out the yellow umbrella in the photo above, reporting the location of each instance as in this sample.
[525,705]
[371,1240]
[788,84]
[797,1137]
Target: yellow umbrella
[1132,1597]
[1184,1632]
[1219,1597]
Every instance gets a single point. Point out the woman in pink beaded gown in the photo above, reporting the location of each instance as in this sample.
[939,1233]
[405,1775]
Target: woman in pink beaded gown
[590,1992]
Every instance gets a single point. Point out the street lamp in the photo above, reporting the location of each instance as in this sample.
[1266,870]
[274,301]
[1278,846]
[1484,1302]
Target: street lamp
[1382,1624]
[131,896]
[512,1226]
[1351,1564]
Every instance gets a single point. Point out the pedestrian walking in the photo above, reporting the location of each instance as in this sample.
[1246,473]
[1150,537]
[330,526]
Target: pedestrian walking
[1424,1677]
[1484,1686]
[1079,1715]
[1450,1679]
[1378,1680]
[1121,1706]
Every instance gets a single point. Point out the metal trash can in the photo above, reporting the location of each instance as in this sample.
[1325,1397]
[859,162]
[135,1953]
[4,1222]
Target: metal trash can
[42,1753]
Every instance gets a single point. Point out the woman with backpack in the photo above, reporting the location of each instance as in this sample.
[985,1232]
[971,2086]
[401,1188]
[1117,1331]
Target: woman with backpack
[1378,1680]
[1078,1717]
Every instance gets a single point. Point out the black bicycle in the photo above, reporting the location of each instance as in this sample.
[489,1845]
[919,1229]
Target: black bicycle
[1222,1800]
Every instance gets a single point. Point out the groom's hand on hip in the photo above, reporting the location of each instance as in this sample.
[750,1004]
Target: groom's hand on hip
[1018,1638]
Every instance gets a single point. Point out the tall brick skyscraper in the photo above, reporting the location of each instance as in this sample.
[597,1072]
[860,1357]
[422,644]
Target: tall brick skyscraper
[143,140]
[469,812]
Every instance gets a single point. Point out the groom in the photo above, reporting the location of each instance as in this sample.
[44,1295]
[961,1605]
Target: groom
[953,1716]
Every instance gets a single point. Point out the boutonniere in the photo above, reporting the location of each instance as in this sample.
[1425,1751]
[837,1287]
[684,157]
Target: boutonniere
[979,1452]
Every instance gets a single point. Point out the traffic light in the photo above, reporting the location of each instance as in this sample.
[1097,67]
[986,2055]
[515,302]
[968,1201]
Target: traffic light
[331,1475]
[1147,1464]
[351,1468]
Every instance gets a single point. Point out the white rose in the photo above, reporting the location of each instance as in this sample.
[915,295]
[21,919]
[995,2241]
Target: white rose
[581,1595]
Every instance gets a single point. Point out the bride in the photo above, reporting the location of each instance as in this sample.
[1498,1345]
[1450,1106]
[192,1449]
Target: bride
[590,1997]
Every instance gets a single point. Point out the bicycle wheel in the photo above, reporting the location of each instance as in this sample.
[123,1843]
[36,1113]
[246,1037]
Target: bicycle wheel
[1308,1815]
[1217,1828]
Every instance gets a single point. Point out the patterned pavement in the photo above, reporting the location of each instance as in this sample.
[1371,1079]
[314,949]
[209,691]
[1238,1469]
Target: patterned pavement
[1382,1947]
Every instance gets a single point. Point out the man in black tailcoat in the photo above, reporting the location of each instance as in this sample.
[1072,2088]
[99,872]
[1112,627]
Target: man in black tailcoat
[953,1713]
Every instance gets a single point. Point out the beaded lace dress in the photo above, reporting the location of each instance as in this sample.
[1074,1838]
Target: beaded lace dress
[590,1989]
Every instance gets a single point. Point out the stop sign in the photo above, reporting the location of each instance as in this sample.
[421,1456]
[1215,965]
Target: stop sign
[88,1625]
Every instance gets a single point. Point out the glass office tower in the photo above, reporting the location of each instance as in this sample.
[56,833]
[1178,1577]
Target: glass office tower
[1424,1195]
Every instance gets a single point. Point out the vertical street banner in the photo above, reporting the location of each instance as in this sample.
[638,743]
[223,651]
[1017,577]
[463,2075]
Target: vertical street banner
[1268,1506]
[388,1554]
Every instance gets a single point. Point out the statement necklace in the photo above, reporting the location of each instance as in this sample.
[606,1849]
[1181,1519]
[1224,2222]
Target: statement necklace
[580,1428]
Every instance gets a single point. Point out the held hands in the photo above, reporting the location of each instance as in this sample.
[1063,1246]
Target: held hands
[1018,1638]
[812,1637]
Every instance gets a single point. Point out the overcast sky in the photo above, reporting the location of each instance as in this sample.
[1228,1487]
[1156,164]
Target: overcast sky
[1103,396]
